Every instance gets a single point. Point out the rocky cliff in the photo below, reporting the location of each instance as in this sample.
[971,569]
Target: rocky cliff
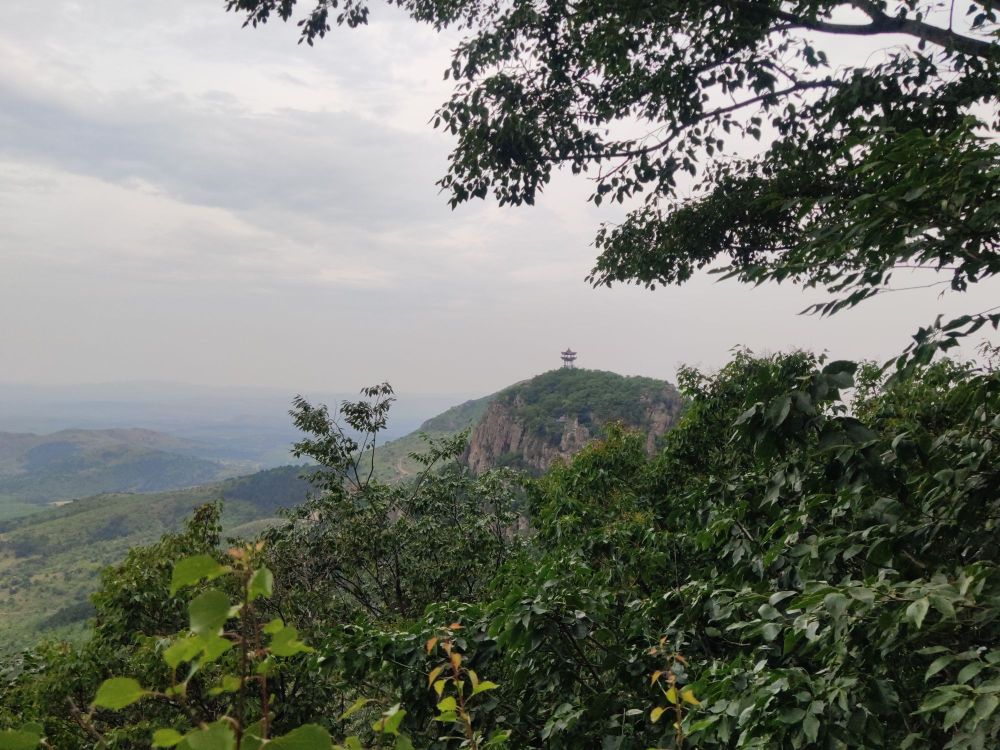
[554,415]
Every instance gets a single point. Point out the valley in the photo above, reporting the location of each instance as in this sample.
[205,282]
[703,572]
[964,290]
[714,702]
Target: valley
[133,485]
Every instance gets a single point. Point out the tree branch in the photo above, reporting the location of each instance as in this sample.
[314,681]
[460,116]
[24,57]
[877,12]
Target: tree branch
[882,23]
[886,24]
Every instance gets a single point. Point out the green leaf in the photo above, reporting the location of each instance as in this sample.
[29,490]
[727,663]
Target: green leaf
[228,684]
[390,721]
[193,569]
[917,611]
[970,670]
[955,714]
[483,686]
[937,699]
[18,739]
[791,715]
[212,647]
[209,611]
[261,584]
[498,738]
[166,737]
[253,737]
[286,643]
[118,692]
[306,737]
[943,605]
[986,705]
[810,727]
[182,650]
[937,665]
[217,736]
[770,631]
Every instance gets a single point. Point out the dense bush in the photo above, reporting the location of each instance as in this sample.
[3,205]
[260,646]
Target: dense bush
[788,572]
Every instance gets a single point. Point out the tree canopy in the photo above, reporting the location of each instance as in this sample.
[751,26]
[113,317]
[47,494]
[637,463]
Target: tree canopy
[876,122]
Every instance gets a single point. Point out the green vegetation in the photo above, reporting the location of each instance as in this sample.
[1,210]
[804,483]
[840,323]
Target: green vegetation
[50,562]
[787,572]
[394,460]
[811,560]
[593,397]
[44,469]
[458,418]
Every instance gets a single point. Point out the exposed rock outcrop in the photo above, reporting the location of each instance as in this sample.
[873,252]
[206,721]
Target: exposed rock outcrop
[553,416]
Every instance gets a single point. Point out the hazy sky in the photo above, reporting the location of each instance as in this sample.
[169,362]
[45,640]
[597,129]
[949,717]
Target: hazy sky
[183,199]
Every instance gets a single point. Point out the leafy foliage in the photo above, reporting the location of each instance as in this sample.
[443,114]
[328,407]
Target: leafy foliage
[795,569]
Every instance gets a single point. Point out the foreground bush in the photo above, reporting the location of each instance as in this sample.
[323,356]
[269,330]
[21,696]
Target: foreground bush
[791,571]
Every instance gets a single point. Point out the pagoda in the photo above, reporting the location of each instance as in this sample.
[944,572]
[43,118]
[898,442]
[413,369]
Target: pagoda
[569,359]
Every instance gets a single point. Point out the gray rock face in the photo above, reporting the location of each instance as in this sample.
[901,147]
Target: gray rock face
[502,437]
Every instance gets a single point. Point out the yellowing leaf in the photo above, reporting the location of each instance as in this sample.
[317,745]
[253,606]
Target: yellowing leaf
[431,643]
[671,695]
[656,713]
[433,675]
[688,697]
[355,707]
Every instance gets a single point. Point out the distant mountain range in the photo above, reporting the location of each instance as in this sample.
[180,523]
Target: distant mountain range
[45,469]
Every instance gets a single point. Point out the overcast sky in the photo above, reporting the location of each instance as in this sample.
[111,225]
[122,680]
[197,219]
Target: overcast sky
[182,199]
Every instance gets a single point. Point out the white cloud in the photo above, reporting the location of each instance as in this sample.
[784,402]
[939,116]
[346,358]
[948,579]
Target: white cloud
[184,199]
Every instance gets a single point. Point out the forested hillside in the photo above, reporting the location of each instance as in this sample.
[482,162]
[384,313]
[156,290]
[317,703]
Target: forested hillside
[554,415]
[50,562]
[36,470]
[530,424]
[784,569]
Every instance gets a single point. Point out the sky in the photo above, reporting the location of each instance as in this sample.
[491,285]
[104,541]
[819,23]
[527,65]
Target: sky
[185,200]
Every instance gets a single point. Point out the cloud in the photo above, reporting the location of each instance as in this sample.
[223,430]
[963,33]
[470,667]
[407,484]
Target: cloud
[184,199]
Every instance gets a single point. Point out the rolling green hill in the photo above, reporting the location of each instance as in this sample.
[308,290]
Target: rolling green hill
[50,561]
[37,470]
